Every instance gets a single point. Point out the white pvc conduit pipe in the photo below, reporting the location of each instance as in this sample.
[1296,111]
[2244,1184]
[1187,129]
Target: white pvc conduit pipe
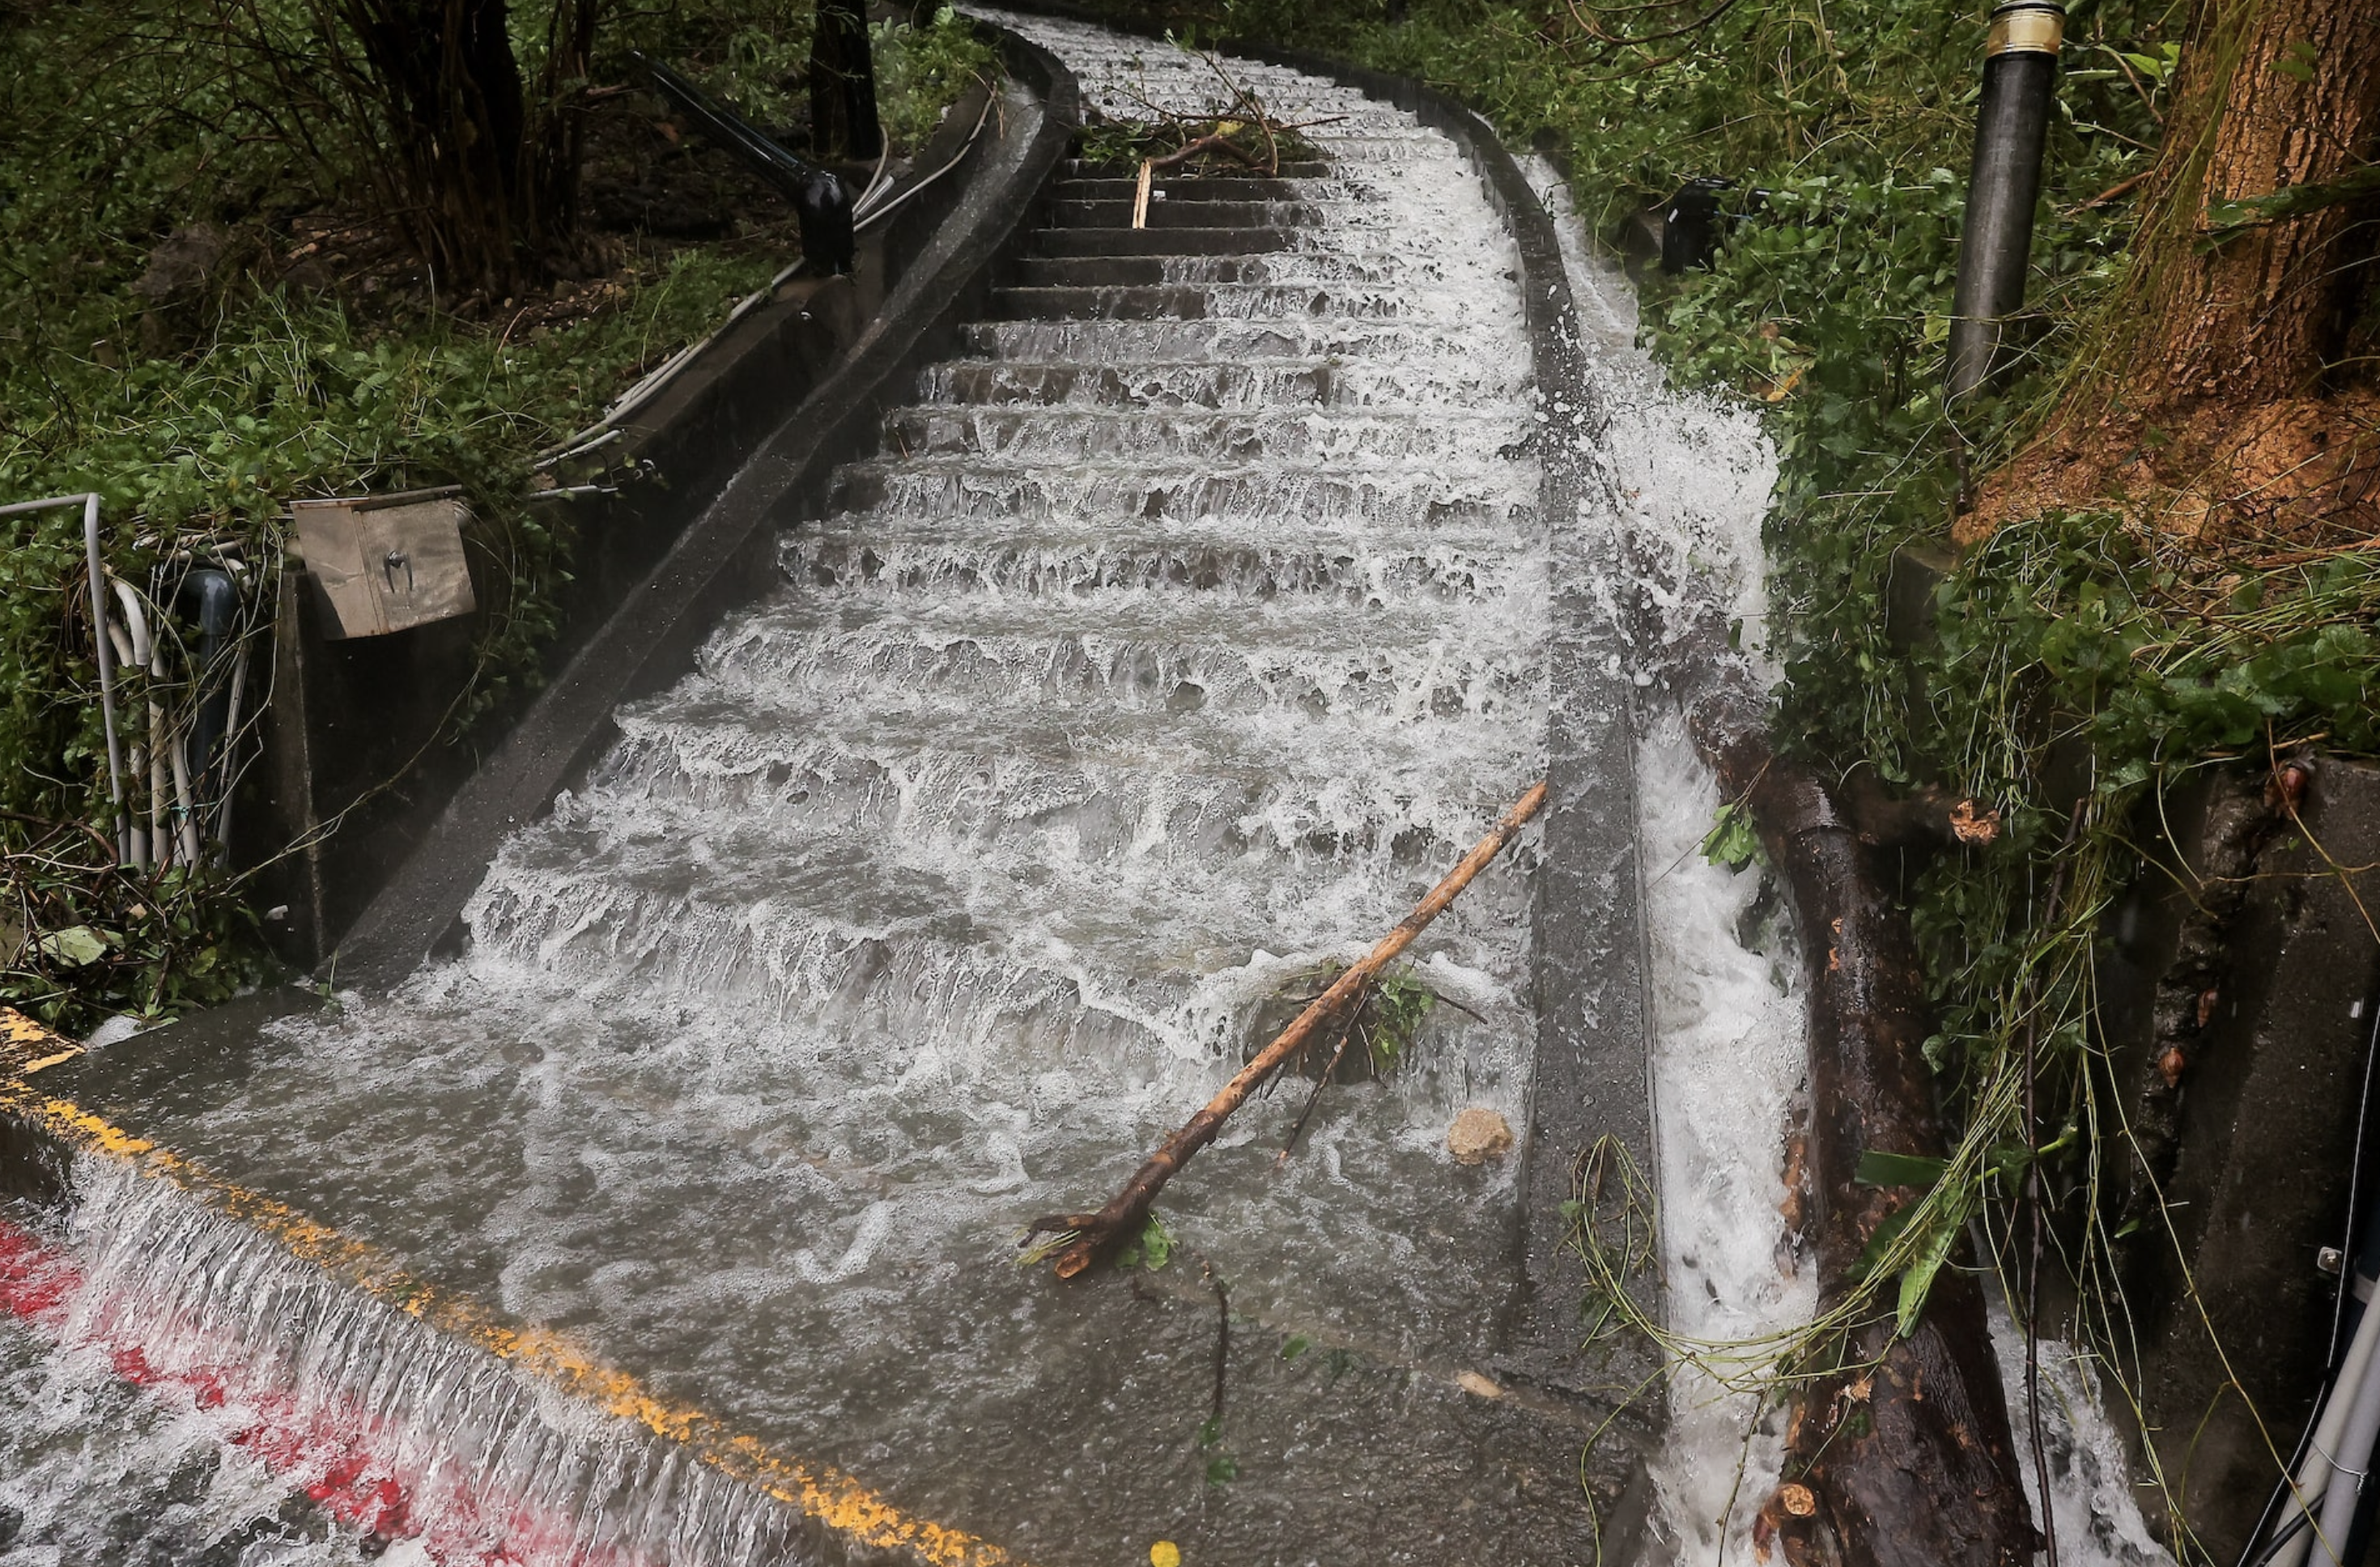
[145,656]
[2351,1460]
[886,210]
[869,196]
[2317,1473]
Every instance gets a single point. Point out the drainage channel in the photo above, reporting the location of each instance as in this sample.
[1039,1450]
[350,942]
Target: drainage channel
[1182,633]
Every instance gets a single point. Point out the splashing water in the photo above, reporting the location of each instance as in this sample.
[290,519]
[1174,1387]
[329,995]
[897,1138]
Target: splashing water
[1156,664]
[1691,477]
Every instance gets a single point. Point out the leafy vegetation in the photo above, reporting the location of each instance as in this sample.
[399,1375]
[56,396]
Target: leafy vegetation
[1151,1249]
[1373,1040]
[170,337]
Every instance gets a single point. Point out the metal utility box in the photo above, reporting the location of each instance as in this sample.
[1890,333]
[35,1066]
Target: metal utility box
[386,562]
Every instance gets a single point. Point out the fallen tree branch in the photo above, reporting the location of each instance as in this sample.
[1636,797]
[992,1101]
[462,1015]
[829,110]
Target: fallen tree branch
[1083,1238]
[1929,818]
[1898,1452]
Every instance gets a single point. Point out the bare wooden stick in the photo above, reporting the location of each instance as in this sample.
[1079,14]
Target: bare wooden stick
[1140,198]
[1095,1233]
[1329,1068]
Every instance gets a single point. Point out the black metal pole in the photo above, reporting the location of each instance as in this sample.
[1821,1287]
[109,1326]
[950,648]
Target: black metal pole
[2011,127]
[843,84]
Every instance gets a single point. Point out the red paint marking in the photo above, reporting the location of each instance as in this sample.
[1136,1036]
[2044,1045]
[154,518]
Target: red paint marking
[331,1448]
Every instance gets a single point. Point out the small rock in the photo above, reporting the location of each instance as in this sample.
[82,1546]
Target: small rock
[308,274]
[1478,1135]
[1477,1386]
[181,277]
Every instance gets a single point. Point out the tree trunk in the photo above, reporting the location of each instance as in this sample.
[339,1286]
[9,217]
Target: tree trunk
[452,91]
[556,139]
[842,85]
[2218,410]
[2273,94]
[478,169]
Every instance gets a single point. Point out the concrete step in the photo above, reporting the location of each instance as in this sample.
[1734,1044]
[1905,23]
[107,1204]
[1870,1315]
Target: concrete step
[1219,187]
[1108,272]
[1120,241]
[1117,213]
[1158,302]
[1291,168]
[1228,301]
[1239,436]
[1286,386]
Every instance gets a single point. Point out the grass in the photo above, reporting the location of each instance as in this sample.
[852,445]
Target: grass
[199,419]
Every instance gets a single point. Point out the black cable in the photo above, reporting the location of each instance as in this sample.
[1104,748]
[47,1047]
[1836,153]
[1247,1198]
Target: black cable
[2297,1526]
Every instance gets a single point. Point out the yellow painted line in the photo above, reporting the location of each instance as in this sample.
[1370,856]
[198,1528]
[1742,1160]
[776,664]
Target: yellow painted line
[833,1498]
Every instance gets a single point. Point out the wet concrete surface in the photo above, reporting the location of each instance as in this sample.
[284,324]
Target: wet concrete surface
[2239,1004]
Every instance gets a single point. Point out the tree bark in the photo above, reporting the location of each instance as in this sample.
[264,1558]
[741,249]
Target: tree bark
[2219,410]
[423,102]
[452,92]
[2273,94]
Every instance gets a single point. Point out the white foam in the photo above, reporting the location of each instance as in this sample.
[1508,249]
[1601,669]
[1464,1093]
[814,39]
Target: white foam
[1728,1056]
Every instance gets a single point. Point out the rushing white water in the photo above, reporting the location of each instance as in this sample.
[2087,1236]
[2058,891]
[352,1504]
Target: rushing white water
[1728,1060]
[1690,477]
[93,1470]
[264,1380]
[1156,663]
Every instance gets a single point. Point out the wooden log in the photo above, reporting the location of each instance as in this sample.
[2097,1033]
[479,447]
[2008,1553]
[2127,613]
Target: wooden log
[1901,1456]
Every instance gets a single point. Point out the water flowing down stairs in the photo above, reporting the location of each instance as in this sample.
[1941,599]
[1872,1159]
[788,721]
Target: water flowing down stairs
[1186,630]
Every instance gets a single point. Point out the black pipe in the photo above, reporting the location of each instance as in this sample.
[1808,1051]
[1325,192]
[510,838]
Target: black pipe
[842,83]
[2011,127]
[213,598]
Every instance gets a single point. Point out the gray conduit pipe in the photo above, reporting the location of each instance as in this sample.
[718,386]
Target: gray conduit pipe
[231,734]
[186,819]
[129,827]
[148,656]
[2316,1473]
[885,208]
[876,178]
[2349,1463]
[161,838]
[2011,128]
[89,501]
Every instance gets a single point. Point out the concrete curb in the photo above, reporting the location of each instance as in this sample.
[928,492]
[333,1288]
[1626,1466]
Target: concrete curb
[44,1135]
